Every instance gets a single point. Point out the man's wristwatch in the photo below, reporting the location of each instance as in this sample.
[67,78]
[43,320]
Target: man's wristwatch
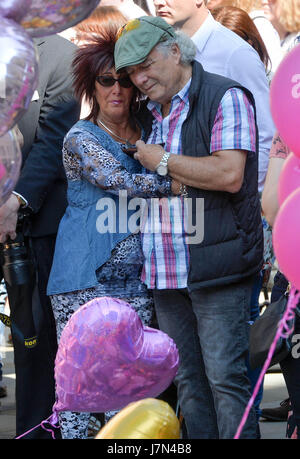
[162,168]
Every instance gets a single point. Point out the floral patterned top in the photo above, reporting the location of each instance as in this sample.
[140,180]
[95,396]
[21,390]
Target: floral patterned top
[85,158]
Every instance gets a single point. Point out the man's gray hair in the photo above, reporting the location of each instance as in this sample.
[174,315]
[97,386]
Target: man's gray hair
[186,46]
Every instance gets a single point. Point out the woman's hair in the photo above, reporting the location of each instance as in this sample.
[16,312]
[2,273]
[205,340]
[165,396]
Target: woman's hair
[241,23]
[98,22]
[246,5]
[290,15]
[185,44]
[91,60]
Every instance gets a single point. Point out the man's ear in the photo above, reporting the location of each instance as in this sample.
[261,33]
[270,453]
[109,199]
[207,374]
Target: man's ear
[176,51]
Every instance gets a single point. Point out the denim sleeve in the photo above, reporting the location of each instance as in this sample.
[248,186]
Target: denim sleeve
[85,158]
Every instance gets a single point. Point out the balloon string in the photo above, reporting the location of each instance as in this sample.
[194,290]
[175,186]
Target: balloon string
[52,420]
[283,331]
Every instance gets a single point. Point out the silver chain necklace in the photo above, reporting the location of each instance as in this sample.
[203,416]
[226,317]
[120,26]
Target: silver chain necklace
[128,144]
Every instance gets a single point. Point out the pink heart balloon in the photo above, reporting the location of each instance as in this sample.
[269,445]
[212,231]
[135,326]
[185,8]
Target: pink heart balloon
[286,240]
[289,179]
[107,359]
[285,99]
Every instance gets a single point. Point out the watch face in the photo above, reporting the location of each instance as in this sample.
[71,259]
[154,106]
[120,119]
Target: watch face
[162,170]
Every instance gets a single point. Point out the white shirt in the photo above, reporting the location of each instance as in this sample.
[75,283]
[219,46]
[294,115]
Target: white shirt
[222,51]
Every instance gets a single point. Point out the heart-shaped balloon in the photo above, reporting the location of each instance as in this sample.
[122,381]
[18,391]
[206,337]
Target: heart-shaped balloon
[107,359]
[289,179]
[18,73]
[10,164]
[46,17]
[14,9]
[146,419]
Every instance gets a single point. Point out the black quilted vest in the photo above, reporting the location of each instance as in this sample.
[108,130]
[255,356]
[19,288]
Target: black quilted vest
[232,247]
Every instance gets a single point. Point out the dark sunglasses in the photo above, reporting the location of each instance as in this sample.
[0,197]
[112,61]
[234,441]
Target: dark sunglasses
[107,81]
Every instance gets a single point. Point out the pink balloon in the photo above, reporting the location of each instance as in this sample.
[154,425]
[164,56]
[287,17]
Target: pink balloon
[289,179]
[106,358]
[46,17]
[286,238]
[18,73]
[285,99]
[14,9]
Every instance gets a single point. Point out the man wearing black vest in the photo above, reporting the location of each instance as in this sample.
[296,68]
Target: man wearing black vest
[40,192]
[201,258]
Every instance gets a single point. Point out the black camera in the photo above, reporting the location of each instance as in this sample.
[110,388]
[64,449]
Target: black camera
[17,263]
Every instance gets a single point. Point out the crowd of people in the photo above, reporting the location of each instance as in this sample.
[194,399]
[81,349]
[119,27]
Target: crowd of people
[168,102]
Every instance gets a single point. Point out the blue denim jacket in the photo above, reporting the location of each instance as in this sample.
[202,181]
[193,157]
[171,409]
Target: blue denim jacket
[80,248]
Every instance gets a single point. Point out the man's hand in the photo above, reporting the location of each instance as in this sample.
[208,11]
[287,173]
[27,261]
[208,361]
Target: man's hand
[8,218]
[149,155]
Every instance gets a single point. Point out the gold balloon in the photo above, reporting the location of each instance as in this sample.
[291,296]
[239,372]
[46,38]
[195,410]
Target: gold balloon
[146,419]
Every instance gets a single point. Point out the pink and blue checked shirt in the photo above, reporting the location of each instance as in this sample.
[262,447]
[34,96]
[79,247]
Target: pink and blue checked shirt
[165,249]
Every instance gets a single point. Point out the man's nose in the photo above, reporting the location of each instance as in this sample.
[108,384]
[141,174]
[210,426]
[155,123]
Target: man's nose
[139,79]
[158,3]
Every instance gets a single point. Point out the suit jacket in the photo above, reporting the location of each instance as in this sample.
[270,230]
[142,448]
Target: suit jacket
[52,112]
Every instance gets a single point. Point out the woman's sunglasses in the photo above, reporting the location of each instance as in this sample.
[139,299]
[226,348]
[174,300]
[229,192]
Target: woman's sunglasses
[107,81]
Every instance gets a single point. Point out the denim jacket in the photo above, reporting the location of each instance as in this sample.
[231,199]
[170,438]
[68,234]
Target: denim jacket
[82,244]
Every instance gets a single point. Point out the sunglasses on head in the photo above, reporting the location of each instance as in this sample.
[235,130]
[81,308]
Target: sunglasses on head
[108,81]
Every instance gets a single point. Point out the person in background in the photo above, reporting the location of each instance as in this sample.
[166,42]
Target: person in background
[40,192]
[239,21]
[128,8]
[290,366]
[266,30]
[285,17]
[96,24]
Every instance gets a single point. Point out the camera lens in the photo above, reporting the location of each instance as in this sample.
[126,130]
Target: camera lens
[17,265]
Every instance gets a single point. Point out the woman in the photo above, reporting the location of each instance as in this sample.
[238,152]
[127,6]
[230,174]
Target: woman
[97,23]
[285,17]
[247,5]
[94,256]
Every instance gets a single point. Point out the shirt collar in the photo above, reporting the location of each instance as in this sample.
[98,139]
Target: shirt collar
[182,95]
[203,33]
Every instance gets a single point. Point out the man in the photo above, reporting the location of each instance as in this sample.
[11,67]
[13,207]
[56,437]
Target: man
[201,290]
[221,51]
[40,192]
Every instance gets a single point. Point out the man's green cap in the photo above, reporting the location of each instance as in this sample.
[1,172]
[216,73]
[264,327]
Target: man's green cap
[137,39]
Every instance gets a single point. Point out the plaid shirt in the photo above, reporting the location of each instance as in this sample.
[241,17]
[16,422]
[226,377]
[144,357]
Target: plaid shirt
[166,253]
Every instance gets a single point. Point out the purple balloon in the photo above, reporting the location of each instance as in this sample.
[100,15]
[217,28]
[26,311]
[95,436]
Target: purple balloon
[107,358]
[10,164]
[18,73]
[46,17]
[14,9]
